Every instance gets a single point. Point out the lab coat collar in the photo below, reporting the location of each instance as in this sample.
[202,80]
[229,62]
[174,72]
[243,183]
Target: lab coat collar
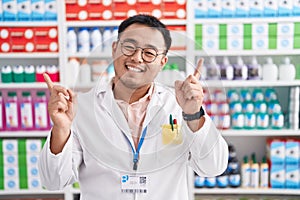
[112,108]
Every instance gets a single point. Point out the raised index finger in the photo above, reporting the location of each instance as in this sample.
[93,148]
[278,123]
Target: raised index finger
[48,81]
[197,72]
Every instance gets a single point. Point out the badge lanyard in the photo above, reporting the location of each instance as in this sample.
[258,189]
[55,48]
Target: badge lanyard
[136,152]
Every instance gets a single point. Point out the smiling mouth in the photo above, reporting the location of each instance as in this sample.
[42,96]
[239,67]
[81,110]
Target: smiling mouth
[134,69]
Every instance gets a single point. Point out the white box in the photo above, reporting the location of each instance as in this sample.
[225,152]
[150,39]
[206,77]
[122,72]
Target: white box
[33,145]
[270,7]
[11,184]
[292,176]
[260,29]
[34,183]
[292,152]
[200,8]
[210,43]
[242,8]
[277,176]
[209,30]
[256,8]
[285,8]
[32,159]
[285,29]
[235,43]
[32,171]
[11,172]
[260,43]
[235,30]
[228,8]
[10,145]
[285,42]
[214,8]
[10,159]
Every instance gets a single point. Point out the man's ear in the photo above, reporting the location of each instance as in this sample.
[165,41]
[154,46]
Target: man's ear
[164,61]
[114,48]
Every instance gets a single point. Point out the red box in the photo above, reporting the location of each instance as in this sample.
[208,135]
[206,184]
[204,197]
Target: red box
[46,39]
[22,39]
[173,9]
[147,7]
[5,42]
[123,9]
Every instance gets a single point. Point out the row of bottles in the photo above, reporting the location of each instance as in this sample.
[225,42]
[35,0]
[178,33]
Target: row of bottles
[28,73]
[86,39]
[246,174]
[244,108]
[231,177]
[24,110]
[238,70]
[84,72]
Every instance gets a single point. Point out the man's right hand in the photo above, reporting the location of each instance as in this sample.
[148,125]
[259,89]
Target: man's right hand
[61,108]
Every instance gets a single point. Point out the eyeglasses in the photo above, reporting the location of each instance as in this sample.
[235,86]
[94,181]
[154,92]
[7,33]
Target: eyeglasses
[148,54]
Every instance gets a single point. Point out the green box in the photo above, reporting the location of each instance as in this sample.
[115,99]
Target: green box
[247,43]
[223,43]
[272,29]
[247,30]
[198,43]
[297,42]
[272,42]
[297,28]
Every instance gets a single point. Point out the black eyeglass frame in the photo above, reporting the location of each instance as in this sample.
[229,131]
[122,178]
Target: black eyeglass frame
[143,49]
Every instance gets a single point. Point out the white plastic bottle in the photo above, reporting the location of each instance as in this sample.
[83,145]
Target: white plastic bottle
[85,73]
[246,173]
[107,37]
[72,71]
[83,40]
[95,39]
[269,71]
[287,71]
[71,40]
[226,69]
[254,69]
[240,70]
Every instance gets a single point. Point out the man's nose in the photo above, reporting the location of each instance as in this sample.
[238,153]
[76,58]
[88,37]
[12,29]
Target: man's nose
[138,55]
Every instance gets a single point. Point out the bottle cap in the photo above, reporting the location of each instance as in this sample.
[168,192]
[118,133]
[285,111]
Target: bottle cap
[26,93]
[12,94]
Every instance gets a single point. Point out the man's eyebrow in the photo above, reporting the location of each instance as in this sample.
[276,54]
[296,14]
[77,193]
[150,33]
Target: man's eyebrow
[136,43]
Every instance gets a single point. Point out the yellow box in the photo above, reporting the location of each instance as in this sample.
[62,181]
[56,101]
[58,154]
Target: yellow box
[169,136]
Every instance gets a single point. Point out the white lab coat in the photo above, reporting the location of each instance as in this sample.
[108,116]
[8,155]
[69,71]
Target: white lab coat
[98,152]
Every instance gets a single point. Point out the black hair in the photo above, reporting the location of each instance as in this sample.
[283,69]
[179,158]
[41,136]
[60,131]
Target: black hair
[150,21]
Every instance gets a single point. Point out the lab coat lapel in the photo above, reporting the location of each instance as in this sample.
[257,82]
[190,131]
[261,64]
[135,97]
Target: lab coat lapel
[154,106]
[115,112]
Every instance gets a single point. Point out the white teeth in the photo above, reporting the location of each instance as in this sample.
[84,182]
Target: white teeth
[134,69]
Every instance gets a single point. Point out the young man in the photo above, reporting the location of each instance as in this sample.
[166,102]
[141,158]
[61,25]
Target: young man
[119,140]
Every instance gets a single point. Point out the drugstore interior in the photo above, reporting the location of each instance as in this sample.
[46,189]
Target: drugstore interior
[251,78]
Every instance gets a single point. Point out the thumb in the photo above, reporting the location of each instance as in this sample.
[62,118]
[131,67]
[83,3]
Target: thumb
[178,84]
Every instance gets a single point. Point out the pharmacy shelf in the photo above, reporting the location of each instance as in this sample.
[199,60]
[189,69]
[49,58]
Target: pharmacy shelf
[257,52]
[103,23]
[247,191]
[29,192]
[24,133]
[257,132]
[248,83]
[28,55]
[28,23]
[246,20]
[23,85]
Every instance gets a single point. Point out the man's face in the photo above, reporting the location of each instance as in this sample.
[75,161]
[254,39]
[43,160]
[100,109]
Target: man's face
[132,70]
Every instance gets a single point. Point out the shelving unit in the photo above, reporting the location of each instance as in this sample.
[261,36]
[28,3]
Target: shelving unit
[255,138]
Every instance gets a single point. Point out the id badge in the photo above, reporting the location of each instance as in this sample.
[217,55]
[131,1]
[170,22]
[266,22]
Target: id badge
[134,183]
